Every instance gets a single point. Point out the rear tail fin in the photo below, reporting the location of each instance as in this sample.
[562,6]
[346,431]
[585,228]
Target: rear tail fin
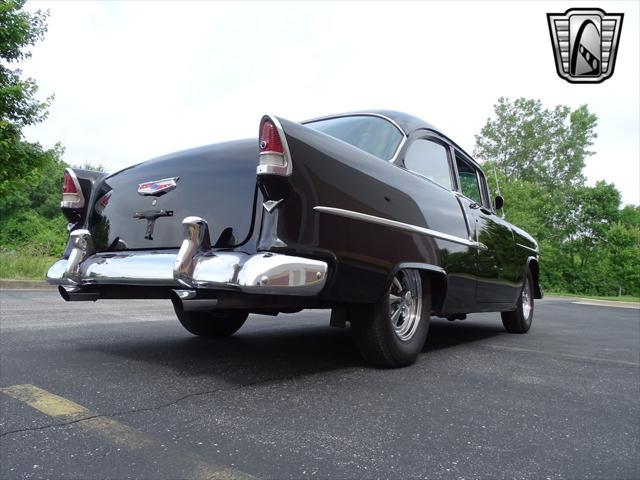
[77,185]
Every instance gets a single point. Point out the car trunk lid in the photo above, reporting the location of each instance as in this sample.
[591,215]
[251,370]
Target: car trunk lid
[142,207]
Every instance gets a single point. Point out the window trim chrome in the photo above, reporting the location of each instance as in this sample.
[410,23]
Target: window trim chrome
[445,146]
[403,140]
[400,226]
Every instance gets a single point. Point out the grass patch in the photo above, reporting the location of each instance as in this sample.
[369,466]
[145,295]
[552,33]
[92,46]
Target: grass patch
[621,298]
[23,265]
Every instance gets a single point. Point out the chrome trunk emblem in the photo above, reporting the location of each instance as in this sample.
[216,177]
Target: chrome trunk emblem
[158,187]
[151,216]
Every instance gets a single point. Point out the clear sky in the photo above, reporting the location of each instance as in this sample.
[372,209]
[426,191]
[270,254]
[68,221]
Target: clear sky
[133,80]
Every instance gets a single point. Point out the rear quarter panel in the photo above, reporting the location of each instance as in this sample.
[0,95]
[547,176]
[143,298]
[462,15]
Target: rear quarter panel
[328,172]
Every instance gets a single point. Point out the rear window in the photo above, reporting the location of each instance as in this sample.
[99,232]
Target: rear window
[374,135]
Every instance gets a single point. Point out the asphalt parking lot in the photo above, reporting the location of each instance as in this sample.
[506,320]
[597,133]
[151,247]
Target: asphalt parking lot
[117,389]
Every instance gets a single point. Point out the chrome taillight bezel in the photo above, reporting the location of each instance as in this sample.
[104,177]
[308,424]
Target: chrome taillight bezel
[274,163]
[72,200]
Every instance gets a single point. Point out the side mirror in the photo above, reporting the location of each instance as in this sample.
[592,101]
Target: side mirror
[499,202]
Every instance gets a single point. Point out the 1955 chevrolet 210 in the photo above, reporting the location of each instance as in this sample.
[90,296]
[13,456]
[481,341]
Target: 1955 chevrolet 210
[376,215]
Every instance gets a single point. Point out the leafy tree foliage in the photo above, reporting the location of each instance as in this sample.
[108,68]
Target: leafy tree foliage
[531,143]
[29,174]
[536,156]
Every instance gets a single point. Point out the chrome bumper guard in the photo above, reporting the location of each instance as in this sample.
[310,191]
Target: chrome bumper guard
[193,266]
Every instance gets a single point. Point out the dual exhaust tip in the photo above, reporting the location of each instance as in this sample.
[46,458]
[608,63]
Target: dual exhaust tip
[77,294]
[185,300]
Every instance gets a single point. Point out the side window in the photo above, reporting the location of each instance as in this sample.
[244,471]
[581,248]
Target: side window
[430,160]
[468,180]
[374,135]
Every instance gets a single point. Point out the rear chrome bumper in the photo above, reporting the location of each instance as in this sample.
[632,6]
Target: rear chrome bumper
[193,266]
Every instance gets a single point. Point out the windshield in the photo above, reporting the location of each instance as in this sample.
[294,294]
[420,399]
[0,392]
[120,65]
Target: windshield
[374,135]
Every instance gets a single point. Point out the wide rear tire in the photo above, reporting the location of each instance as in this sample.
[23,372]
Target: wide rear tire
[392,332]
[520,319]
[211,324]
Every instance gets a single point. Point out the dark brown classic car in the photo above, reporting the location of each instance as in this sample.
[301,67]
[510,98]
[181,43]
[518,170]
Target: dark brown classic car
[376,215]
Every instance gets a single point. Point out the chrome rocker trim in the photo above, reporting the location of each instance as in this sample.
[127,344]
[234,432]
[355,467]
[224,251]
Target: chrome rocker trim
[193,266]
[400,226]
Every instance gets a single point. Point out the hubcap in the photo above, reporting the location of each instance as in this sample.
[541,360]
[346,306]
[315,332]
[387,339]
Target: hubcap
[526,299]
[405,303]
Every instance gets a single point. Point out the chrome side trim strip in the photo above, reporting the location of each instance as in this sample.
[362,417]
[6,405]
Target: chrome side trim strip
[531,249]
[400,226]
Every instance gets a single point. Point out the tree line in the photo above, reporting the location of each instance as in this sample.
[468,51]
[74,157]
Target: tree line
[535,156]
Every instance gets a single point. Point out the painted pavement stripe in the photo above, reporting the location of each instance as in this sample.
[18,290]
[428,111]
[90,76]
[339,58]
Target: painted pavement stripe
[112,431]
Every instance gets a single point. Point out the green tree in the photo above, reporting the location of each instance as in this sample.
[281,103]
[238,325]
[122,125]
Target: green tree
[30,175]
[630,215]
[623,253]
[537,155]
[531,143]
[21,162]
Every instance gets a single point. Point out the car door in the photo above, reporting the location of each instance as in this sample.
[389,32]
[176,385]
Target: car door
[429,157]
[494,284]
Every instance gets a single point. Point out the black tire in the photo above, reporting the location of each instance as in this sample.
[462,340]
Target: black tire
[520,319]
[211,324]
[377,336]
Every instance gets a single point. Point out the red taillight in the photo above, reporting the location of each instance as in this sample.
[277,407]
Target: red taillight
[68,186]
[72,196]
[270,139]
[274,151]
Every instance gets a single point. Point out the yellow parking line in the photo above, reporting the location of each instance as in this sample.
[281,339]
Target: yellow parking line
[59,407]
[46,402]
[112,431]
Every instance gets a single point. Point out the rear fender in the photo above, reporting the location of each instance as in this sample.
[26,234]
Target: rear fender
[327,172]
[436,276]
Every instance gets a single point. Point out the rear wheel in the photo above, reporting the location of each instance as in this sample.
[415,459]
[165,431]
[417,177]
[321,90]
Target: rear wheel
[211,324]
[519,320]
[392,332]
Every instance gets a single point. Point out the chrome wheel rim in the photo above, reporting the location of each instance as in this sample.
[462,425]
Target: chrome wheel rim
[405,303]
[526,299]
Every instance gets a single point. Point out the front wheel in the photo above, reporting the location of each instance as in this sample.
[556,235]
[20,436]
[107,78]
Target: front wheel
[520,319]
[392,332]
[211,324]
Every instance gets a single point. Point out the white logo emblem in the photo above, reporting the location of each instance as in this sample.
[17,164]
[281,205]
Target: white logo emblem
[158,187]
[585,43]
